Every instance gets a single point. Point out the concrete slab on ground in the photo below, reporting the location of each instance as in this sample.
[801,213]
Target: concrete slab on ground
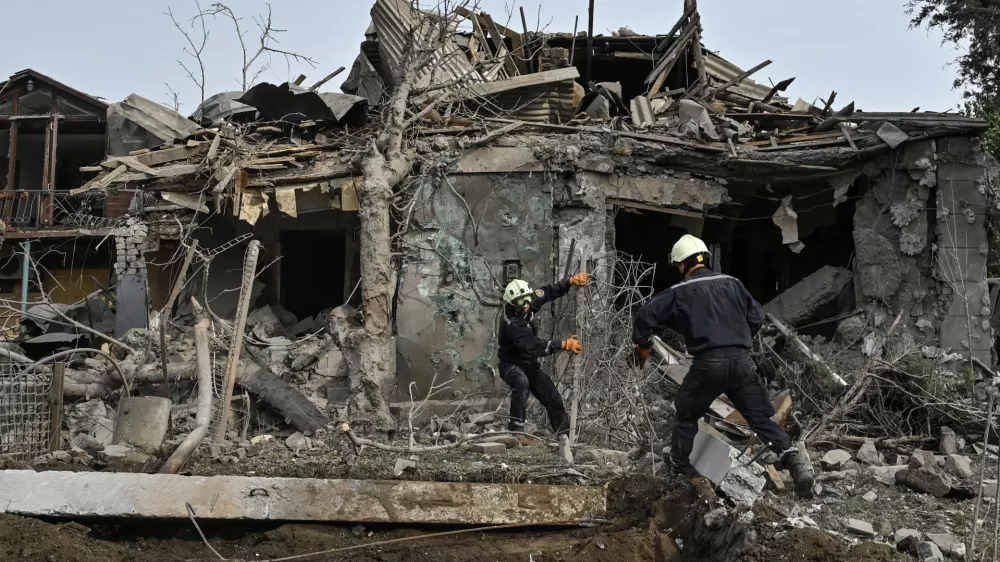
[108,494]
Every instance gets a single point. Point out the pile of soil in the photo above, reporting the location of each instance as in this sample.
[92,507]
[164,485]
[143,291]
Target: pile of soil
[811,545]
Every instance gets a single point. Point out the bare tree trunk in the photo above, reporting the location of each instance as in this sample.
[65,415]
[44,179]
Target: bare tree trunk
[370,360]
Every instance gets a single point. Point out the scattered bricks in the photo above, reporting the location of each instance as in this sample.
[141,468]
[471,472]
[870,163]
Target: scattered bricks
[835,459]
[489,448]
[958,466]
[858,527]
[925,480]
[868,454]
[404,466]
[482,419]
[929,552]
[949,441]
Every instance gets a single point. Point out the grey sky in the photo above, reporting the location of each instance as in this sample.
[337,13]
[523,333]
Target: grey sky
[863,49]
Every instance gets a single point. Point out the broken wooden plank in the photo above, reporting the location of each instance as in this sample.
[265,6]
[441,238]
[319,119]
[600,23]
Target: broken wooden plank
[100,182]
[213,150]
[670,57]
[276,160]
[264,167]
[167,155]
[539,78]
[132,164]
[174,171]
[847,135]
[737,79]
[779,87]
[626,134]
[834,141]
[164,496]
[498,38]
[681,23]
[90,169]
[796,139]
[776,478]
[832,121]
[186,200]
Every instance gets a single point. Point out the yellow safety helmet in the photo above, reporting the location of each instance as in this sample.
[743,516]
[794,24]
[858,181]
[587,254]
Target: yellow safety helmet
[686,247]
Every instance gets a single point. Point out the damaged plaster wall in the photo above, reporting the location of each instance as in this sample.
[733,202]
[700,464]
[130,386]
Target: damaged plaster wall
[921,240]
[456,251]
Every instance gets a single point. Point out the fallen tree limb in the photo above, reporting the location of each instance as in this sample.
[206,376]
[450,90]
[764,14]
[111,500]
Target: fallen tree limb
[204,413]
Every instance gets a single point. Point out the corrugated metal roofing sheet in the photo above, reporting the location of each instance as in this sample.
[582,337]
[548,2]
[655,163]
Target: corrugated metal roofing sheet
[396,22]
[724,71]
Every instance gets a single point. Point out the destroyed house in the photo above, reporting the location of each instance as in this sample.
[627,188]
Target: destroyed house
[557,154]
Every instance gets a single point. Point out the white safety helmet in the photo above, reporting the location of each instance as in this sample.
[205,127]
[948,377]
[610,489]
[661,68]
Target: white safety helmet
[686,247]
[516,290]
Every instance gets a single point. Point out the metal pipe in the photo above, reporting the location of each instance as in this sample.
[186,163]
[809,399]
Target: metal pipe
[25,269]
[204,412]
[590,45]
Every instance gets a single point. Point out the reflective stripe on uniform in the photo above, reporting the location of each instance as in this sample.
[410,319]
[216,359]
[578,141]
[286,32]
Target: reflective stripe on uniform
[700,279]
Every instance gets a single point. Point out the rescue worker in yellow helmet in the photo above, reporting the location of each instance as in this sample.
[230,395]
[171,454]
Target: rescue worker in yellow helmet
[718,319]
[520,348]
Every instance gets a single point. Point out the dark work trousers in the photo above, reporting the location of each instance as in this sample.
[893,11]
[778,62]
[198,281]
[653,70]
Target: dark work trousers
[533,380]
[730,372]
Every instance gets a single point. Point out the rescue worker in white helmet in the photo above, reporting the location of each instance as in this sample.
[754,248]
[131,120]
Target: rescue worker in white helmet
[520,348]
[718,319]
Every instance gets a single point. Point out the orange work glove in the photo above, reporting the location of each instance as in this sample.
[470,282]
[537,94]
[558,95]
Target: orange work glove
[573,345]
[580,280]
[639,357]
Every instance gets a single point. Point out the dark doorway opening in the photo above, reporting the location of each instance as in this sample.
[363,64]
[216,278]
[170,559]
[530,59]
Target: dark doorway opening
[312,271]
[649,236]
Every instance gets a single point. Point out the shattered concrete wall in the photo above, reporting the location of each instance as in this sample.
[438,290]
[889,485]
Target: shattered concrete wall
[921,242]
[448,300]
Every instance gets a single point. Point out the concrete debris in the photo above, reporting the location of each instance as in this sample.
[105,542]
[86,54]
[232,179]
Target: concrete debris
[929,552]
[802,301]
[488,448]
[130,495]
[404,466]
[716,518]
[886,474]
[836,458]
[903,534]
[891,135]
[948,543]
[949,441]
[87,444]
[858,527]
[142,422]
[721,463]
[482,419]
[868,454]
[695,121]
[925,480]
[605,456]
[958,466]
[298,442]
[836,475]
[870,496]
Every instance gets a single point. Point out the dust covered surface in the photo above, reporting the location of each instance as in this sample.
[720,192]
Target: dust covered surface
[333,456]
[812,545]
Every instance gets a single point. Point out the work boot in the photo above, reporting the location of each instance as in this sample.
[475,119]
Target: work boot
[801,475]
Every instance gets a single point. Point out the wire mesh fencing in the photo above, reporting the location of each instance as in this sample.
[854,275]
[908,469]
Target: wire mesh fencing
[30,407]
